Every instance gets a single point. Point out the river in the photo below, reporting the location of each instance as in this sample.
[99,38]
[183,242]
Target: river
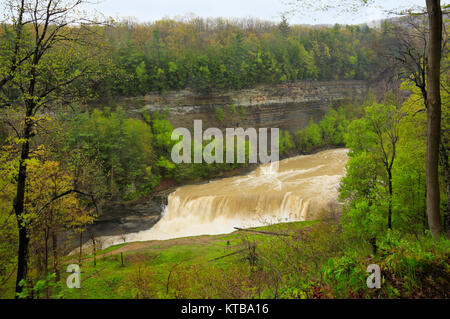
[301,188]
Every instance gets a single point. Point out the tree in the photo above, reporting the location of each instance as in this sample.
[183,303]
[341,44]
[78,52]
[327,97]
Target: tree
[433,102]
[333,126]
[47,219]
[410,53]
[384,121]
[121,147]
[284,26]
[434,115]
[48,54]
[309,137]
[368,184]
[143,78]
[285,142]
[409,171]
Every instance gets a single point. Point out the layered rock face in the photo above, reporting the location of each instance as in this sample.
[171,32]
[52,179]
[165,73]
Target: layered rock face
[123,218]
[287,106]
[118,219]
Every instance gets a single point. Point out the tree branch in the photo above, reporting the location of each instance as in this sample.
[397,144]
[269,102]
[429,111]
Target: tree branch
[65,194]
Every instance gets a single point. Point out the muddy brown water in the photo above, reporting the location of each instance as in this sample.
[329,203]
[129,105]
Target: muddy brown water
[294,189]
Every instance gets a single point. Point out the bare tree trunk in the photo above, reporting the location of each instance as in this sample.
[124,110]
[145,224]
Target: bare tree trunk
[22,256]
[95,251]
[47,289]
[81,248]
[30,104]
[390,200]
[55,256]
[434,116]
[46,253]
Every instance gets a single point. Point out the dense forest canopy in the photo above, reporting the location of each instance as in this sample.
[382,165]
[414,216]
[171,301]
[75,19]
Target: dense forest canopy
[203,54]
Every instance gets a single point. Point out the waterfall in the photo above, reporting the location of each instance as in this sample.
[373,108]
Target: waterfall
[294,189]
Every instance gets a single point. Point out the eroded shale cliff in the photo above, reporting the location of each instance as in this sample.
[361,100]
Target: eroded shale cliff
[286,106]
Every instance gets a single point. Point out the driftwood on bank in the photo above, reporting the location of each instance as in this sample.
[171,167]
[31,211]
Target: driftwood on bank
[233,253]
[264,232]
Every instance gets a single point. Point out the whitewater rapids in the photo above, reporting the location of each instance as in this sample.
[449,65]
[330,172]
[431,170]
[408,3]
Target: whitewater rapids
[302,188]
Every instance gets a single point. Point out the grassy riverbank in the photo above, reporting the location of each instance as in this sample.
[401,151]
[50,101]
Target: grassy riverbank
[293,260]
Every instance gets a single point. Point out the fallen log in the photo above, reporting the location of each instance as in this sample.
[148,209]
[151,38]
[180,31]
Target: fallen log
[263,232]
[233,253]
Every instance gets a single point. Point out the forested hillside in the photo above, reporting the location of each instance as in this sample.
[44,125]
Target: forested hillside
[205,54]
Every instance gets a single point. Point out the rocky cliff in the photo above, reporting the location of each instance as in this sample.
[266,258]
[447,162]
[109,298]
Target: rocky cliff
[287,106]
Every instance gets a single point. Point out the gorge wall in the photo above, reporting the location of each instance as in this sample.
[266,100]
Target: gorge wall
[286,106]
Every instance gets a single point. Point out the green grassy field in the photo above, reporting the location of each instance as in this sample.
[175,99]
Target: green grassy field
[310,259]
[154,260]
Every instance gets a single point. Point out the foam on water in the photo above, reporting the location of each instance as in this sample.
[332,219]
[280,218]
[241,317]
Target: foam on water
[294,189]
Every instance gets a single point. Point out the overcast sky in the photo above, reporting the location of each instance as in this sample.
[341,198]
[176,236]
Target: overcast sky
[150,10]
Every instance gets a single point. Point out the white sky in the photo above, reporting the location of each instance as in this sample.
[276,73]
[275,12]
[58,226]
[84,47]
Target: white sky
[151,10]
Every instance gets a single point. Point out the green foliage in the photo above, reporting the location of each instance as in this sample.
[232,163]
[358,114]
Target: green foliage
[411,268]
[387,136]
[233,109]
[285,142]
[242,112]
[359,136]
[162,132]
[373,141]
[308,138]
[345,275]
[121,147]
[330,131]
[166,166]
[333,126]
[8,225]
[40,289]
[220,114]
[142,78]
[203,55]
